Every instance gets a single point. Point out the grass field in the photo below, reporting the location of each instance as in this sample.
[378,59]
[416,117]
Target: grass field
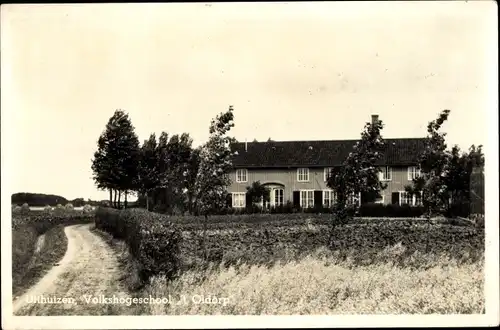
[284,267]
[316,285]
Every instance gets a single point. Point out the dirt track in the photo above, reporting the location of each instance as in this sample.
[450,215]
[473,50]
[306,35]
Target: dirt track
[88,269]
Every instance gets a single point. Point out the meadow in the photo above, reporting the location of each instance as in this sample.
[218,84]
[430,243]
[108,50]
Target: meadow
[286,264]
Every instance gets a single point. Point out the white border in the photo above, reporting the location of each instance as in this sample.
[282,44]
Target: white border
[185,322]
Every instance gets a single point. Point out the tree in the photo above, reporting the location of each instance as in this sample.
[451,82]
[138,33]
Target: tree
[258,193]
[102,167]
[434,165]
[148,175]
[215,164]
[179,150]
[190,176]
[358,174]
[163,168]
[115,163]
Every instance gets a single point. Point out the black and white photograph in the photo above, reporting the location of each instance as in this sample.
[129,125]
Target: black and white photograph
[287,164]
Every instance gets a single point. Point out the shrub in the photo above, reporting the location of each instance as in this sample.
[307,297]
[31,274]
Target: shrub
[87,208]
[59,209]
[25,208]
[390,210]
[69,207]
[478,220]
[47,209]
[152,240]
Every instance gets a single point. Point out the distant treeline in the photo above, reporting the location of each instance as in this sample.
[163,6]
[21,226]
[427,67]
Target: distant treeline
[35,199]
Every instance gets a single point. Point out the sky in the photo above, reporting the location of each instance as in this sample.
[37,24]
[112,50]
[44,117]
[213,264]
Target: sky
[297,71]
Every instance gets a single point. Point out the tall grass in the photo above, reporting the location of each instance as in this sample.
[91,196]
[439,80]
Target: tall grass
[320,284]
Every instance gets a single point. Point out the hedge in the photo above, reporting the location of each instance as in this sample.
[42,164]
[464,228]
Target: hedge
[152,240]
[365,210]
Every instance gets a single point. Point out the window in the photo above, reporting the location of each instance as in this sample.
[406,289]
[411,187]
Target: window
[326,173]
[303,174]
[412,200]
[328,198]
[306,198]
[413,172]
[418,199]
[405,198]
[354,200]
[241,175]
[278,197]
[239,199]
[386,174]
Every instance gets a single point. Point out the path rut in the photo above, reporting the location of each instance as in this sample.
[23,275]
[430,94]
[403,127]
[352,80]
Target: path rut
[88,270]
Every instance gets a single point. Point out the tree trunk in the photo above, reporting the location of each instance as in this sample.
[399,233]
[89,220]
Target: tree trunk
[114,201]
[190,204]
[119,199]
[110,197]
[147,201]
[205,237]
[126,193]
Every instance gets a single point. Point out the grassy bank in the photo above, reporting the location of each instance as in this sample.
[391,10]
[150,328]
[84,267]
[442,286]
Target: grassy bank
[52,249]
[27,266]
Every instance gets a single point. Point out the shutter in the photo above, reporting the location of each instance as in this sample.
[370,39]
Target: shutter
[296,198]
[395,198]
[318,198]
[364,198]
[248,200]
[229,200]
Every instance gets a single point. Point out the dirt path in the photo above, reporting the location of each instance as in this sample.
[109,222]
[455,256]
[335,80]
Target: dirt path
[88,271]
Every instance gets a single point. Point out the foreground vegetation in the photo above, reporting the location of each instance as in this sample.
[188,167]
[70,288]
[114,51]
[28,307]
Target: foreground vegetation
[327,285]
[286,266]
[29,263]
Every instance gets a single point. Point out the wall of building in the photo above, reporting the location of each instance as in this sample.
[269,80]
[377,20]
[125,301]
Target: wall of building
[288,178]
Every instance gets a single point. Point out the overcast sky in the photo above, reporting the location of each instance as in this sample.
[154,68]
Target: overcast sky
[291,71]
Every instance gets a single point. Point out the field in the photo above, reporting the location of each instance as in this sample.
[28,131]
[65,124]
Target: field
[284,264]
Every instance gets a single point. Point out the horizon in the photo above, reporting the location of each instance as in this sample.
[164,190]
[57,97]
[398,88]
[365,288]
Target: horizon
[291,71]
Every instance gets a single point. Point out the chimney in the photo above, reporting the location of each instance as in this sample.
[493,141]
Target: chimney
[374,119]
[246,145]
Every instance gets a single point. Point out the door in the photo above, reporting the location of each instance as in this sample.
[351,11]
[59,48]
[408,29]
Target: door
[278,197]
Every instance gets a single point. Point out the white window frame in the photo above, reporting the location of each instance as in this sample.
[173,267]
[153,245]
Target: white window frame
[389,173]
[301,201]
[351,197]
[413,198]
[381,201]
[331,199]
[274,197]
[326,172]
[239,175]
[413,172]
[242,203]
[302,171]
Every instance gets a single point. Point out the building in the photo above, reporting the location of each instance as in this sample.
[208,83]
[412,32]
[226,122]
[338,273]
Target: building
[296,171]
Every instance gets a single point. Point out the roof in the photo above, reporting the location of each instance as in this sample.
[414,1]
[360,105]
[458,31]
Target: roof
[404,151]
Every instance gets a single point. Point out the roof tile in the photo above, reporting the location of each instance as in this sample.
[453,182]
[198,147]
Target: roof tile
[404,151]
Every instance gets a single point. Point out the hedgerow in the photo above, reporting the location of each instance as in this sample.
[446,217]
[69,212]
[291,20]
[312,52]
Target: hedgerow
[266,238]
[152,240]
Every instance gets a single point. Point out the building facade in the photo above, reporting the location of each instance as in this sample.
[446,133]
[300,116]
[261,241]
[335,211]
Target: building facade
[296,171]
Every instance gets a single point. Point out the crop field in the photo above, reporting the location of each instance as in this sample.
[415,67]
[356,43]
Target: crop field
[283,264]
